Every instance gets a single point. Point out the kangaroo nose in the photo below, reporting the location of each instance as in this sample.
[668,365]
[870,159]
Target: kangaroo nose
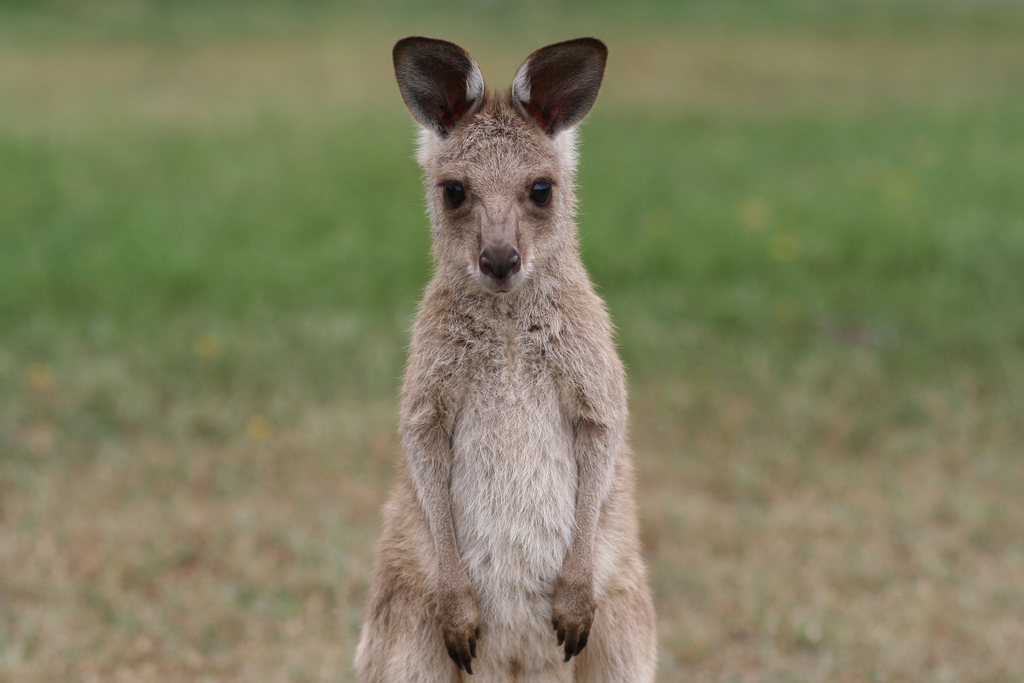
[499,262]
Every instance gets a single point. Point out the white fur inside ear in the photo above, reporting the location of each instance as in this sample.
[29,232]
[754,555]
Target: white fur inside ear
[474,88]
[521,89]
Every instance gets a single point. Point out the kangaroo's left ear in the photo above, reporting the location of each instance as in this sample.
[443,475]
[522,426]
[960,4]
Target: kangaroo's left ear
[556,86]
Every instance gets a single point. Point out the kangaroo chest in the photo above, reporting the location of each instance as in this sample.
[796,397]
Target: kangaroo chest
[514,477]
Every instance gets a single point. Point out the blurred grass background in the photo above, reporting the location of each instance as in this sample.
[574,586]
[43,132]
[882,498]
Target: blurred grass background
[807,219]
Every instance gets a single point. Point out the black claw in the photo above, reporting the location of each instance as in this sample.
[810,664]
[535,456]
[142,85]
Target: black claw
[583,642]
[469,668]
[570,647]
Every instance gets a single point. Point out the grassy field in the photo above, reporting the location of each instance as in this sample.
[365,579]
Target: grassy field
[807,219]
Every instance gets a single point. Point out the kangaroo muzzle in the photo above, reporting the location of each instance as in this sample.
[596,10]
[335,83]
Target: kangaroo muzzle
[500,262]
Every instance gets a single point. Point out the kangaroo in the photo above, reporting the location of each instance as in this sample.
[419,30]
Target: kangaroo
[510,547]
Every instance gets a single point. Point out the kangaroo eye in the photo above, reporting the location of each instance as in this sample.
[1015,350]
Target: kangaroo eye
[541,193]
[454,194]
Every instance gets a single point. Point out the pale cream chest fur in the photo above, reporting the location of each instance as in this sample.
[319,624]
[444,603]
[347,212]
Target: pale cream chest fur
[513,489]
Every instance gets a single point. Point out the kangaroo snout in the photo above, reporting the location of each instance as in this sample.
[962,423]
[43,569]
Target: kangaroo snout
[500,262]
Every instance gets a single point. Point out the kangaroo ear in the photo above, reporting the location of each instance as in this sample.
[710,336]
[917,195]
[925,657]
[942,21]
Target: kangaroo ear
[440,82]
[556,86]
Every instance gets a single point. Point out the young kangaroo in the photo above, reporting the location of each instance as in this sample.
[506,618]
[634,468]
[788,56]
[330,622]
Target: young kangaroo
[510,544]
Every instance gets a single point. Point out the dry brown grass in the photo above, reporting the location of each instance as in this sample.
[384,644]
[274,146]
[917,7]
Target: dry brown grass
[719,71]
[186,559]
[833,531]
[814,526]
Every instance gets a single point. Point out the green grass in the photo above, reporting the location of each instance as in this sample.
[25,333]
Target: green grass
[905,227]
[808,222]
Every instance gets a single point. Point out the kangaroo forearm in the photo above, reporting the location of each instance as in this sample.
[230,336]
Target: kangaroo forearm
[573,603]
[429,457]
[595,458]
[442,529]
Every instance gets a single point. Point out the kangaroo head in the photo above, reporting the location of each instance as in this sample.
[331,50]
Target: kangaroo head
[499,170]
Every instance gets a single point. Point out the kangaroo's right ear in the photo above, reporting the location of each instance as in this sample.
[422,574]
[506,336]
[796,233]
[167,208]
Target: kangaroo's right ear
[440,82]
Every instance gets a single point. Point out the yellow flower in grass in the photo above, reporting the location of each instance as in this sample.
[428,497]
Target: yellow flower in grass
[207,346]
[753,214]
[39,377]
[259,428]
[785,247]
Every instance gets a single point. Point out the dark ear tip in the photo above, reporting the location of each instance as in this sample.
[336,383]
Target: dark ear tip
[420,41]
[403,45]
[409,40]
[588,43]
[596,44]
